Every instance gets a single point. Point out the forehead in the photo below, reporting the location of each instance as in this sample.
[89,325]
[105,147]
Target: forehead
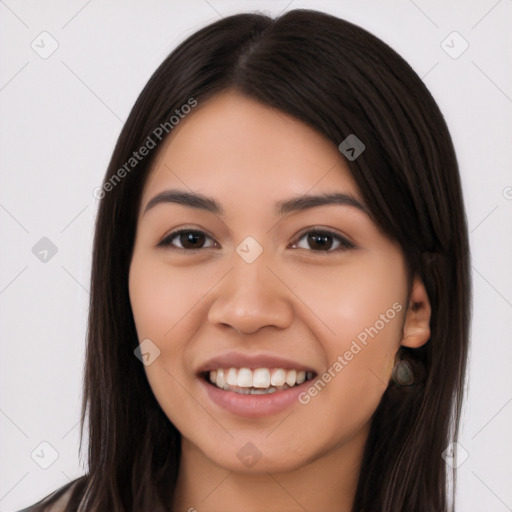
[233,146]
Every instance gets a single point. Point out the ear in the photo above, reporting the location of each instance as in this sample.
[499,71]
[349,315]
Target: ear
[416,331]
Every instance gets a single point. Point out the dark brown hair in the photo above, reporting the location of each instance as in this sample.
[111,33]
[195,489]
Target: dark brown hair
[340,80]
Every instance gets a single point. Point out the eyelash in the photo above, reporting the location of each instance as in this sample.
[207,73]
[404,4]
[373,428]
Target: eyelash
[344,244]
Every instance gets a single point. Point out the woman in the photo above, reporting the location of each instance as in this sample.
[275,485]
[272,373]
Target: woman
[280,291]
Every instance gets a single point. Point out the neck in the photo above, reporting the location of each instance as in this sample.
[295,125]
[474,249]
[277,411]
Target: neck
[326,483]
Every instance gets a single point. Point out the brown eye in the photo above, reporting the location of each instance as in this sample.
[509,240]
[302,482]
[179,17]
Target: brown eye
[191,240]
[320,241]
[186,239]
[324,241]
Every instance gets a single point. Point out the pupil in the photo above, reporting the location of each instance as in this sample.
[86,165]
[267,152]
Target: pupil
[191,238]
[321,240]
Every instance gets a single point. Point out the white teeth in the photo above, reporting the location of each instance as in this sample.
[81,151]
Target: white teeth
[261,378]
[232,377]
[244,378]
[278,377]
[291,376]
[258,380]
[221,379]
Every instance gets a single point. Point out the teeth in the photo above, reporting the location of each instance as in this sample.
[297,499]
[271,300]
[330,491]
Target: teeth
[259,380]
[219,378]
[278,377]
[232,378]
[291,377]
[244,378]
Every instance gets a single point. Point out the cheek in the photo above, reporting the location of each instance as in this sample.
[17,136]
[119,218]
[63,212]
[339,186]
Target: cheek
[167,308]
[155,313]
[366,295]
[357,314]
[162,297]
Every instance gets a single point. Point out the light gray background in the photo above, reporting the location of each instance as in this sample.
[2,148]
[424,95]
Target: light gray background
[59,120]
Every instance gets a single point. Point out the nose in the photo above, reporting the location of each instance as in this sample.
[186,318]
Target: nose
[250,297]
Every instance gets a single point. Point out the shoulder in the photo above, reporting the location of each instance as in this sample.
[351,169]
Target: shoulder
[60,504]
[56,501]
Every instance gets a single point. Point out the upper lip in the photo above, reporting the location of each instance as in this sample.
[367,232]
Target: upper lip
[252,361]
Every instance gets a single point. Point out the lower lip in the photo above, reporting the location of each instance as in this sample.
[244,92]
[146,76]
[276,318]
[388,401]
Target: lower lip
[253,406]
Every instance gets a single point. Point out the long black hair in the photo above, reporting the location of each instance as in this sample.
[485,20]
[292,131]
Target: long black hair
[340,80]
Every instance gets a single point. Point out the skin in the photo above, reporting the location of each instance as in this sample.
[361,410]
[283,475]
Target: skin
[292,301]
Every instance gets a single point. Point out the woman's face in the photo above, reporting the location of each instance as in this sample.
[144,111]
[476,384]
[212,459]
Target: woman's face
[265,288]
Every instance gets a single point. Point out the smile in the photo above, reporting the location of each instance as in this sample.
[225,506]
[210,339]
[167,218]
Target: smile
[257,381]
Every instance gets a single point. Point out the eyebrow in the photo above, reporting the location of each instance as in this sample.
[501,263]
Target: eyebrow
[294,204]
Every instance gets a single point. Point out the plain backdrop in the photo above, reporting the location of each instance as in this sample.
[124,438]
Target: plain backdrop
[60,116]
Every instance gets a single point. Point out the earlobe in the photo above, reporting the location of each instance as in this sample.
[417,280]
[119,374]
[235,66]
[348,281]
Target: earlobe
[416,330]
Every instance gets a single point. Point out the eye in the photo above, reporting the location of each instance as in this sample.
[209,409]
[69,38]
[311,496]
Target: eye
[321,240]
[189,240]
[317,240]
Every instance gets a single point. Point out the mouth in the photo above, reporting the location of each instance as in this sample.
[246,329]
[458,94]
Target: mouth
[256,381]
[252,385]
